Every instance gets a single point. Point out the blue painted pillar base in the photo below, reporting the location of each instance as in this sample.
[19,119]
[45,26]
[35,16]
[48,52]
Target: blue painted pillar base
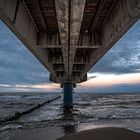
[68,97]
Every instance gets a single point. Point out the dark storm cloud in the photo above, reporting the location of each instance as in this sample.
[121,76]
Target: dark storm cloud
[124,57]
[17,64]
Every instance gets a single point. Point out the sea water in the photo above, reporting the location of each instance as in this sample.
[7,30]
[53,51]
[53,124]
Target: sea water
[90,110]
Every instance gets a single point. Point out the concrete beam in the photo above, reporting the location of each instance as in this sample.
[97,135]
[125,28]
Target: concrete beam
[48,39]
[62,12]
[48,46]
[90,39]
[89,46]
[36,2]
[15,15]
[122,16]
[59,46]
[98,13]
[52,78]
[76,16]
[79,79]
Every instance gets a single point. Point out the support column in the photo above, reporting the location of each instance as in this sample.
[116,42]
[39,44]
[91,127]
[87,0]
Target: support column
[68,96]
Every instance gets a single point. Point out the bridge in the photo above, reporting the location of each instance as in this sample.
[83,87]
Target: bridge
[69,36]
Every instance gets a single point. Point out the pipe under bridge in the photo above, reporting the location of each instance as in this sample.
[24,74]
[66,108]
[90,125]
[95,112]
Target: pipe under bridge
[69,36]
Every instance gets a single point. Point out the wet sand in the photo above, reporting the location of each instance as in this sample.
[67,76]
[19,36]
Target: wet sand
[108,133]
[49,133]
[57,133]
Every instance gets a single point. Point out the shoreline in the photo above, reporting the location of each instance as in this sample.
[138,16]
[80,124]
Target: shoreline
[68,133]
[106,133]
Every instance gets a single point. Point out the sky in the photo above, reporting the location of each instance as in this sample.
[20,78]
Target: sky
[117,71]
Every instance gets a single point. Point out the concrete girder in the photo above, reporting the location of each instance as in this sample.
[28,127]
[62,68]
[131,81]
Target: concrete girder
[59,46]
[69,29]
[97,15]
[62,12]
[36,2]
[75,79]
[76,16]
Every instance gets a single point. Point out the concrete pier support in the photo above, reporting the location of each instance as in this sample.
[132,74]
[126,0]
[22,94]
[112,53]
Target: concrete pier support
[68,96]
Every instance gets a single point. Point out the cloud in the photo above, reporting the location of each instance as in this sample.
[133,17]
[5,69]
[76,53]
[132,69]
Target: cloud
[50,87]
[111,83]
[123,89]
[124,57]
[17,64]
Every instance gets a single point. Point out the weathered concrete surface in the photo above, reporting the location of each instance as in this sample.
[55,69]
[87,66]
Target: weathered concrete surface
[62,11]
[69,36]
[76,15]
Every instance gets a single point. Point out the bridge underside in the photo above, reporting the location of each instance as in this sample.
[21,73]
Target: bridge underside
[69,36]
